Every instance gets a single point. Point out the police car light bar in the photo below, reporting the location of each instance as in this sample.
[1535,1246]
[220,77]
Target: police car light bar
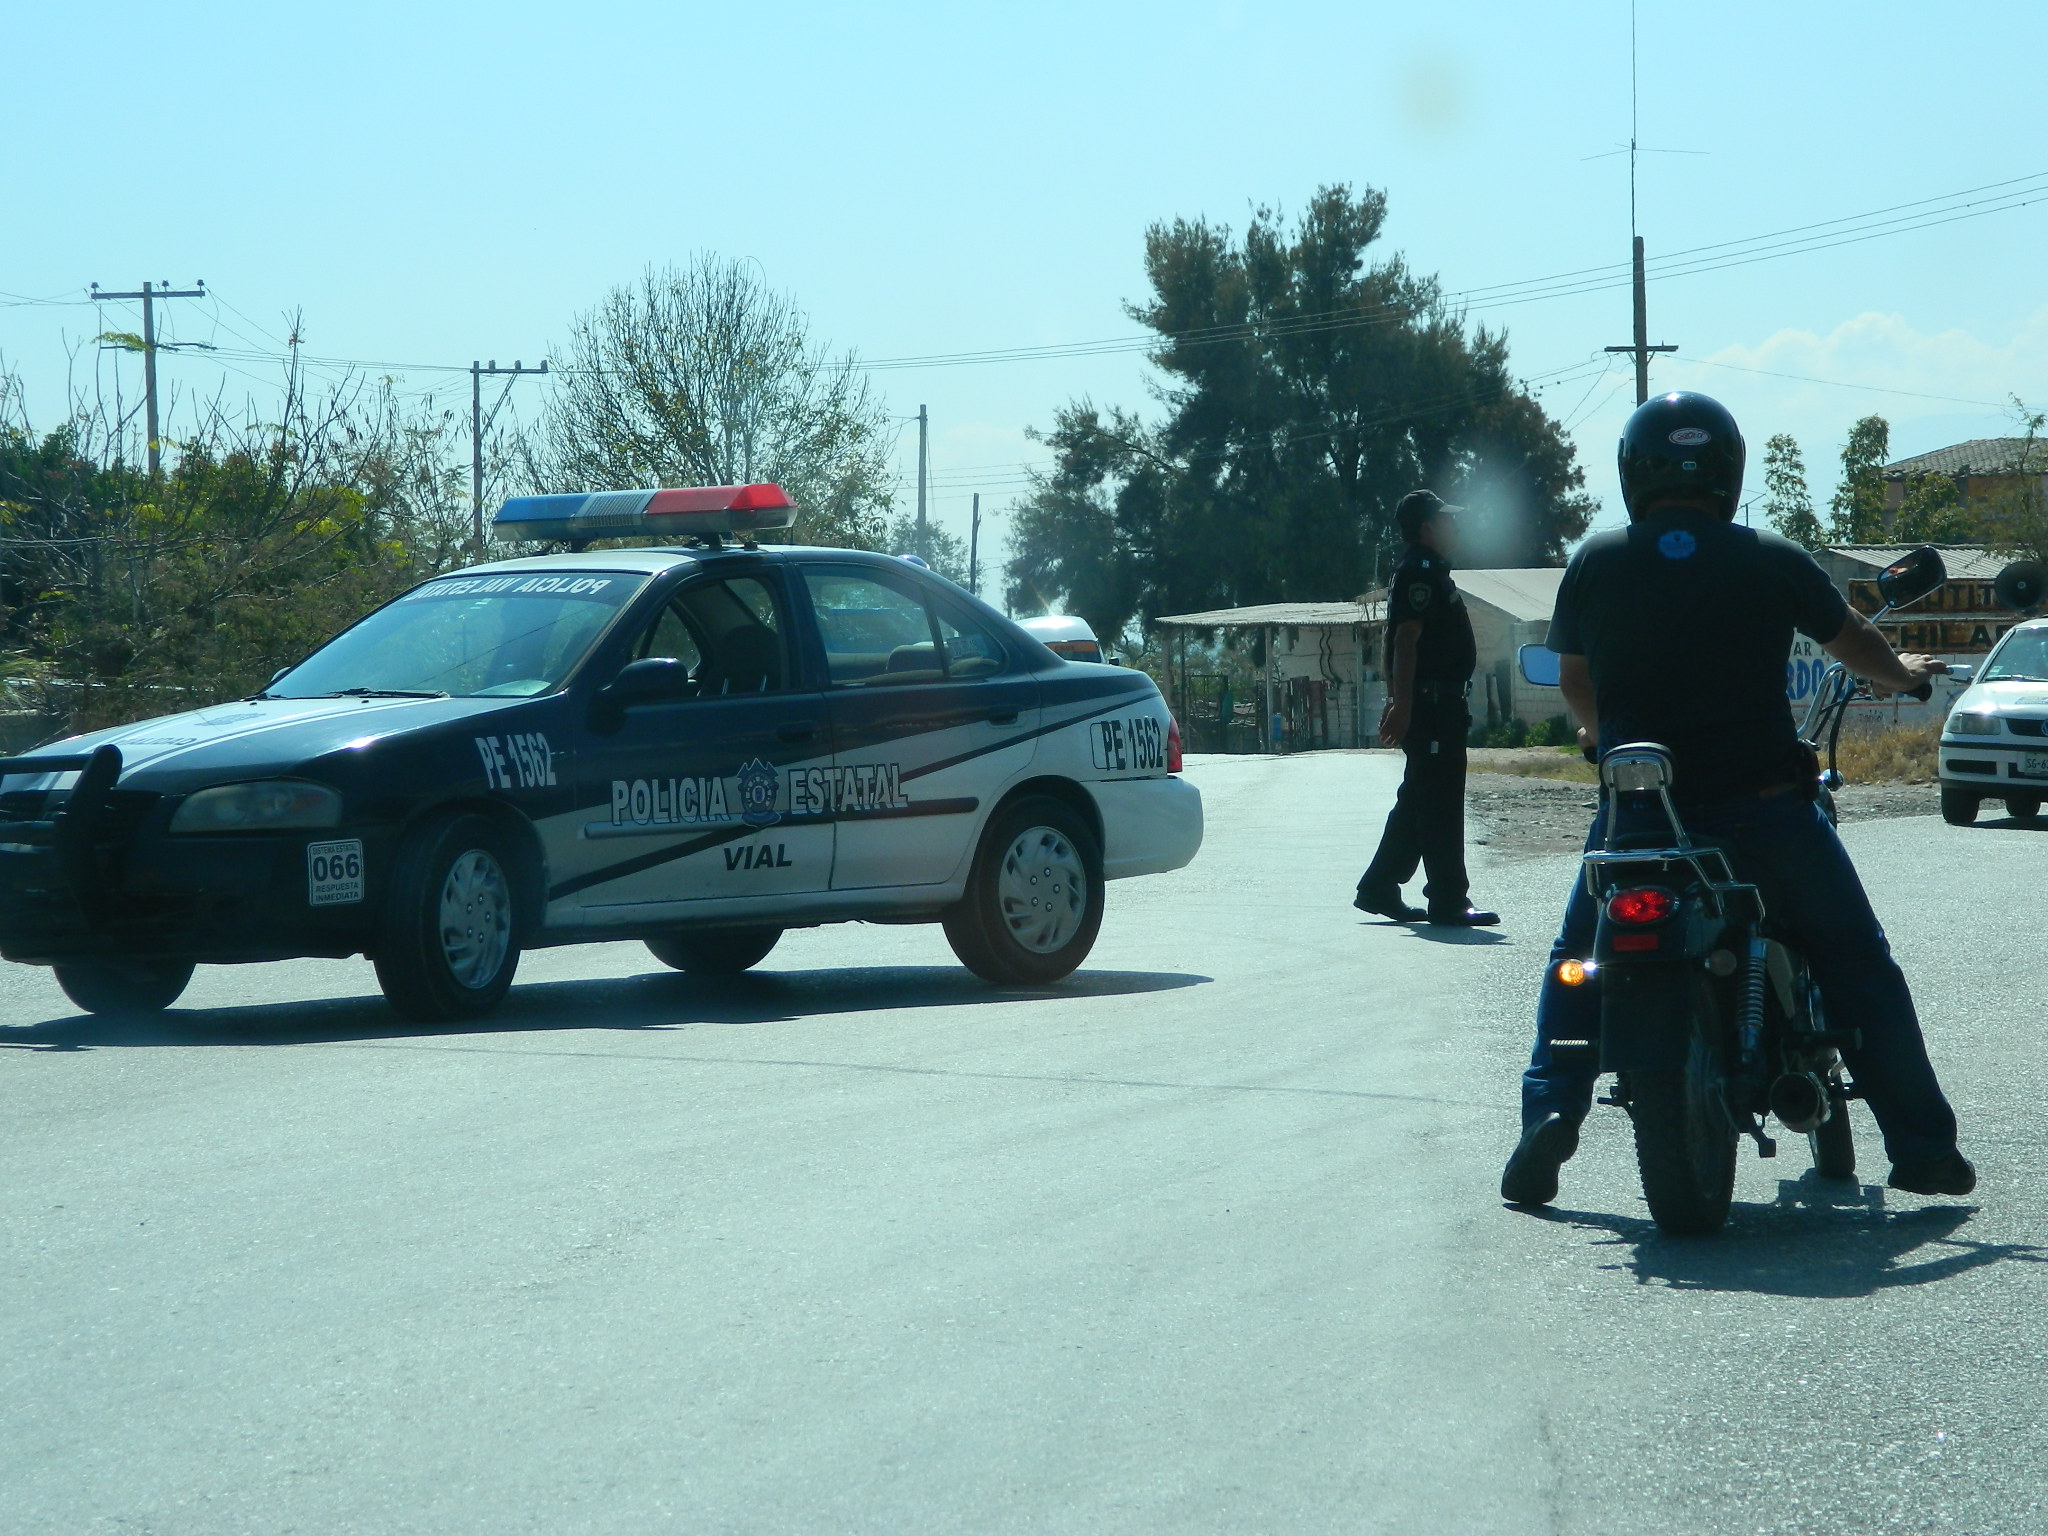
[707,510]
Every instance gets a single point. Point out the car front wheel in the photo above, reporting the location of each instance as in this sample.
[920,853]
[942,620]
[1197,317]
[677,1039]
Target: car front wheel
[714,951]
[2024,807]
[124,986]
[1959,806]
[449,943]
[1033,902]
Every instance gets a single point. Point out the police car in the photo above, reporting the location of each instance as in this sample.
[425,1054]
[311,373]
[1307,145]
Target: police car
[696,746]
[1994,745]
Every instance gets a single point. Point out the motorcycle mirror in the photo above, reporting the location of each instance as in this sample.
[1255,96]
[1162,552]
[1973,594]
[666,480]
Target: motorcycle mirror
[2021,585]
[1959,672]
[1911,578]
[1540,665]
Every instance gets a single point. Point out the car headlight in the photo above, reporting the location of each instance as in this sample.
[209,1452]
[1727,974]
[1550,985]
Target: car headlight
[268,805]
[1972,725]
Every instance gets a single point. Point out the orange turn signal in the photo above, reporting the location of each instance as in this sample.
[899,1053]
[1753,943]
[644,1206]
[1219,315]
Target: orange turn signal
[1573,973]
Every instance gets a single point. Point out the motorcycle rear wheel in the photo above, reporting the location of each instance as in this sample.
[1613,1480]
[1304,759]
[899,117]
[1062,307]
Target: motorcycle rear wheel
[1685,1142]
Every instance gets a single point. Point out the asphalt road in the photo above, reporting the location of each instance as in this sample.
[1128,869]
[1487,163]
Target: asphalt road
[1205,1240]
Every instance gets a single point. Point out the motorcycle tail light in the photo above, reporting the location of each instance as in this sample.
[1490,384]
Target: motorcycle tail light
[1644,905]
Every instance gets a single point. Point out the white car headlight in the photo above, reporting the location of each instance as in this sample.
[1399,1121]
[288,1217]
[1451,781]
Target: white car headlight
[268,805]
[1972,725]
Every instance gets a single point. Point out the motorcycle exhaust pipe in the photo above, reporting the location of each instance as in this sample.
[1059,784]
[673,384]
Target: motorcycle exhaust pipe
[1800,1101]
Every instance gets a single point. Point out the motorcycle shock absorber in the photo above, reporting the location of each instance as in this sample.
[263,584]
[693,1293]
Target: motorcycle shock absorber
[1749,1023]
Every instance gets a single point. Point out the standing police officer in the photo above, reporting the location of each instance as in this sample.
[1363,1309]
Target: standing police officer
[1430,656]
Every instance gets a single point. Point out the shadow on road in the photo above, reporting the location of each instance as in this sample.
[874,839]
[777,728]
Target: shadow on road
[1816,1240]
[660,1000]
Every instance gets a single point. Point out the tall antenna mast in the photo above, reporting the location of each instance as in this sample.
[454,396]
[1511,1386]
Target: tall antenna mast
[1640,349]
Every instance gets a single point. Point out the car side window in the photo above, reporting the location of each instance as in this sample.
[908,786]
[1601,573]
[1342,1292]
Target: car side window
[730,633]
[970,650]
[875,634]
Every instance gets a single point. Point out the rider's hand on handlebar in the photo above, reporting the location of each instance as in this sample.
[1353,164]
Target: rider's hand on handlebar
[1589,746]
[1921,669]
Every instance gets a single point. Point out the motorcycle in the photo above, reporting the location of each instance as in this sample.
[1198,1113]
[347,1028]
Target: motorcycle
[1710,1020]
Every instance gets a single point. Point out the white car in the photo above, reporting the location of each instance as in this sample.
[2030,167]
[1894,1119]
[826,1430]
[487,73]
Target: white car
[699,747]
[1065,635]
[1995,744]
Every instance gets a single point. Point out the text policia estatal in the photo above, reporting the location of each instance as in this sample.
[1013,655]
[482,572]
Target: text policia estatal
[808,792]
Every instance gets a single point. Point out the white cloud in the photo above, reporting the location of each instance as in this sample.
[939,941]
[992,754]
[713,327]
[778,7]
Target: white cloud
[1934,387]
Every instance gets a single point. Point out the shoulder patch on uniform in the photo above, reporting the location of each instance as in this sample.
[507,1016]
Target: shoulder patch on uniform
[1421,594]
[1677,545]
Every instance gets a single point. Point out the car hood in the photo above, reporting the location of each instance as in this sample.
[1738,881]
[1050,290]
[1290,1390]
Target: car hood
[254,737]
[2003,698]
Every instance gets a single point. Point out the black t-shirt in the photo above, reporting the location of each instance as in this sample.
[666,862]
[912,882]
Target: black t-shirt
[1686,622]
[1422,589]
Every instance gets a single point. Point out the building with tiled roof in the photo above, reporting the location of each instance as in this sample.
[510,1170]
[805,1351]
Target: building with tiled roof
[1979,456]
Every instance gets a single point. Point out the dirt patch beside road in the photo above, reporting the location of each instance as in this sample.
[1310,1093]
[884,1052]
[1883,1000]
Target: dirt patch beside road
[1527,815]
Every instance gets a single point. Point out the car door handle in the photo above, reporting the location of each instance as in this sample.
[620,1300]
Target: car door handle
[797,730]
[1002,717]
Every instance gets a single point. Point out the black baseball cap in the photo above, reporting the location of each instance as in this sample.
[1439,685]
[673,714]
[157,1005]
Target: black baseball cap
[1417,508]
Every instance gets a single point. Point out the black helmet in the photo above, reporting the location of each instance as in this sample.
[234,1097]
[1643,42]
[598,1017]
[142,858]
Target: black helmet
[1681,443]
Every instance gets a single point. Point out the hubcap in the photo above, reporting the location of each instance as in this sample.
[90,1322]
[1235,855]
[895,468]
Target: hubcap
[1042,890]
[476,919]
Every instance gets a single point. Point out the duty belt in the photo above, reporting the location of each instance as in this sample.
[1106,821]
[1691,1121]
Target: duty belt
[1442,693]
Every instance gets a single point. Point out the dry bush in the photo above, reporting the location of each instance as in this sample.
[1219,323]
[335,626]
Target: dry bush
[1898,754]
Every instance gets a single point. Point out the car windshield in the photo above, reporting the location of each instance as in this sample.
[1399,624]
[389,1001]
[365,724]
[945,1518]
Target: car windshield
[469,637]
[2023,656]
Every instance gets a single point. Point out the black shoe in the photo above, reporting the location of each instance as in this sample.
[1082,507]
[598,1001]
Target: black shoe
[1530,1177]
[1949,1174]
[1388,906]
[1470,917]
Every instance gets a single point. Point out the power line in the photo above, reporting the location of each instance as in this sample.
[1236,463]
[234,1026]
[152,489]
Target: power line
[149,294]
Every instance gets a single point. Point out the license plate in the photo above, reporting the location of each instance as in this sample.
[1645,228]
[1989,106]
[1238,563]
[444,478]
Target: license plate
[2034,764]
[334,873]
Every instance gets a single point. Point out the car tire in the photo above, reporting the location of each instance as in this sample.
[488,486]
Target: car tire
[1033,902]
[714,951]
[2024,807]
[1959,806]
[124,986]
[448,943]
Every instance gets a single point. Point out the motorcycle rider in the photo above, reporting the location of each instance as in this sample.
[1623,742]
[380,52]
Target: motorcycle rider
[1675,630]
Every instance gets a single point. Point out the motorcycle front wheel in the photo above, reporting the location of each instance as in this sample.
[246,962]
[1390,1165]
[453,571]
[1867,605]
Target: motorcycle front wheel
[1685,1142]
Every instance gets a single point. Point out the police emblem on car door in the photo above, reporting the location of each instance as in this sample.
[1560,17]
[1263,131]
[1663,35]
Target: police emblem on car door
[930,718]
[690,752]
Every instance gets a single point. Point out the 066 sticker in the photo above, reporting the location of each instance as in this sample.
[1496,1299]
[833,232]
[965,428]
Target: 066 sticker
[334,873]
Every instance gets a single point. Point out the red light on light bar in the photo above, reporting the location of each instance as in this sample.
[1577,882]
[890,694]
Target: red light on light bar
[718,498]
[1645,904]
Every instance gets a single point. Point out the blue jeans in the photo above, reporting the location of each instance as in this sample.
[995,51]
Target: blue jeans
[1816,904]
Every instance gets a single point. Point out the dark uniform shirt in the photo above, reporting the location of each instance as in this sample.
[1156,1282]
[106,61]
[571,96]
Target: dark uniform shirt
[1686,621]
[1422,589]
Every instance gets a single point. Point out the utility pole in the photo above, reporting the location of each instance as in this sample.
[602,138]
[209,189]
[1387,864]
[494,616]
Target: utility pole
[149,295]
[476,438]
[923,461]
[1641,347]
[974,549]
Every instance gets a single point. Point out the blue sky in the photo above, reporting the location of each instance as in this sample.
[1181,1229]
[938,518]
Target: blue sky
[435,182]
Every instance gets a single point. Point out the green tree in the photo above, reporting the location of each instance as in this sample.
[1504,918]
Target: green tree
[944,552]
[1787,502]
[1306,390]
[1858,505]
[701,375]
[1933,513]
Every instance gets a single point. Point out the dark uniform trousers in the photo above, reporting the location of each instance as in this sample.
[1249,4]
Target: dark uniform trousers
[1426,827]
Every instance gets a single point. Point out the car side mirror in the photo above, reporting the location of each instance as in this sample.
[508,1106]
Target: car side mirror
[649,678]
[2021,585]
[1911,578]
[1540,665]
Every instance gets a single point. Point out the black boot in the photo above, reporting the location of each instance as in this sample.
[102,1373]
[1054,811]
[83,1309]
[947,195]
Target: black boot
[1530,1177]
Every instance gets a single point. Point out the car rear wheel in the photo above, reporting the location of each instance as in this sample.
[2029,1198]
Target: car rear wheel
[124,986]
[449,941]
[1959,806]
[714,951]
[2025,807]
[1033,902]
